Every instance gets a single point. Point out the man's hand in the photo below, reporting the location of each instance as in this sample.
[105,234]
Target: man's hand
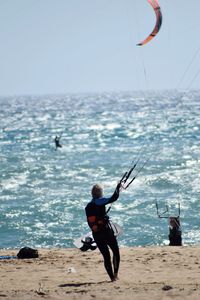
[118,187]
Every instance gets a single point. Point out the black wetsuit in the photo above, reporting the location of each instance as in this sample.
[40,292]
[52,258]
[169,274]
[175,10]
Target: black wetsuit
[57,142]
[104,235]
[175,233]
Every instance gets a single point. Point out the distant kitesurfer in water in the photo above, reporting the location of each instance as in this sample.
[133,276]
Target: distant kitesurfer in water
[102,232]
[57,142]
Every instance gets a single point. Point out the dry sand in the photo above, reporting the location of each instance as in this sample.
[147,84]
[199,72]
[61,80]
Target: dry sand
[145,273]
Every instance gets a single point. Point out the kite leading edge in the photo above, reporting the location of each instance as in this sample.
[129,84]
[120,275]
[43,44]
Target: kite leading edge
[156,7]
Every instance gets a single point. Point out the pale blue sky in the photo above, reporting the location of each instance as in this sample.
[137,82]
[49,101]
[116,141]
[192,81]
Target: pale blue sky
[73,46]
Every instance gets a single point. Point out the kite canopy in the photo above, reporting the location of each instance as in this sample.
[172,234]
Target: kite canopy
[156,7]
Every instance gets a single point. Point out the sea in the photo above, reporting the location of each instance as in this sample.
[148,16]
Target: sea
[43,191]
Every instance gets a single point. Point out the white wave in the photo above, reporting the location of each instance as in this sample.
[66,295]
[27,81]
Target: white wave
[14,182]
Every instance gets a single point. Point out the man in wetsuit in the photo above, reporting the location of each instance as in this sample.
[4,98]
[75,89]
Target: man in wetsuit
[102,232]
[57,142]
[175,238]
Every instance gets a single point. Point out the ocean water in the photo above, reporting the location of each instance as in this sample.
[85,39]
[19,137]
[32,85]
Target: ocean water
[44,192]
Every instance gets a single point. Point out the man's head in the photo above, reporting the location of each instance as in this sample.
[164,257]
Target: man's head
[174,222]
[97,191]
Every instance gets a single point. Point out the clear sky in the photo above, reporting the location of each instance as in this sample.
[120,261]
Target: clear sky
[73,46]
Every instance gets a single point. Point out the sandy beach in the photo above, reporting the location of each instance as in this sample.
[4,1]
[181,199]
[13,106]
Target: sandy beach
[145,273]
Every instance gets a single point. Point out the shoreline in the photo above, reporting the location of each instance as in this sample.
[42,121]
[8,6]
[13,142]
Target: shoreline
[151,272]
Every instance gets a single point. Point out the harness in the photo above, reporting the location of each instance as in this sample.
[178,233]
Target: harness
[96,217]
[97,223]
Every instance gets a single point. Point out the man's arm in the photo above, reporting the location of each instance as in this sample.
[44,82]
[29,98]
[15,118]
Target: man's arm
[115,195]
[113,198]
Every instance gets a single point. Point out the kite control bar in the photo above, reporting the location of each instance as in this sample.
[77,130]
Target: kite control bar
[125,182]
[162,215]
